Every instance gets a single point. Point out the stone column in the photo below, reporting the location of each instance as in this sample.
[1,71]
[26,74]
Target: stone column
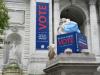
[26,41]
[56,18]
[88,34]
[94,28]
[32,25]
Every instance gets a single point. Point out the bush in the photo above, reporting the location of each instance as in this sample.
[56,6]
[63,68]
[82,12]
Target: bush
[3,15]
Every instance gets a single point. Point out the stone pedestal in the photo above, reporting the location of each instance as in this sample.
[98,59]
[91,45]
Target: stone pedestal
[74,64]
[12,69]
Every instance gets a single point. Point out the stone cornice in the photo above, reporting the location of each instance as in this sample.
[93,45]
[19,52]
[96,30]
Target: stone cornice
[38,59]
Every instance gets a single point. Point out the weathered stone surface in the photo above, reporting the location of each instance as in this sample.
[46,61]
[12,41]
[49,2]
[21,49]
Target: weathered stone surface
[79,64]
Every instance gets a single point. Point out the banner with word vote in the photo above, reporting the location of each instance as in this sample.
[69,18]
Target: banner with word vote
[75,41]
[42,26]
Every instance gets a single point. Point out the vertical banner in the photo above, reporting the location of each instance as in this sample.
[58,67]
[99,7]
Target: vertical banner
[42,25]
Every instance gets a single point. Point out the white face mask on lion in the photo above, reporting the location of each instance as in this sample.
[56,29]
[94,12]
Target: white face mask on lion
[67,26]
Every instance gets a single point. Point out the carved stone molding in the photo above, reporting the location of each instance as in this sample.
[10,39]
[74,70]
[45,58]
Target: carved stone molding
[14,29]
[38,60]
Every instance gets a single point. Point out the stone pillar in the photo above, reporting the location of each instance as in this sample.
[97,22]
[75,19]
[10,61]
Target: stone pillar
[50,22]
[56,18]
[32,25]
[88,34]
[26,40]
[94,28]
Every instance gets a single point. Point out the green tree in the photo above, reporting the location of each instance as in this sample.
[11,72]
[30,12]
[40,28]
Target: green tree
[3,16]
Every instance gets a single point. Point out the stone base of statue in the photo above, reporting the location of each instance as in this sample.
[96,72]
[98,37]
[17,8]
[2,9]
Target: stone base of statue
[12,61]
[74,64]
[12,68]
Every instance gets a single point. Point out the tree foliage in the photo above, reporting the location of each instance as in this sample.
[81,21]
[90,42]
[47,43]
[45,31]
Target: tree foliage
[3,15]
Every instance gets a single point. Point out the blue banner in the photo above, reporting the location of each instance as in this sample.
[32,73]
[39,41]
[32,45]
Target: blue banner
[82,41]
[42,25]
[74,41]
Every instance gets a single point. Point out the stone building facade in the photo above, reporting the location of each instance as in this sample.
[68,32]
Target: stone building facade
[22,29]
